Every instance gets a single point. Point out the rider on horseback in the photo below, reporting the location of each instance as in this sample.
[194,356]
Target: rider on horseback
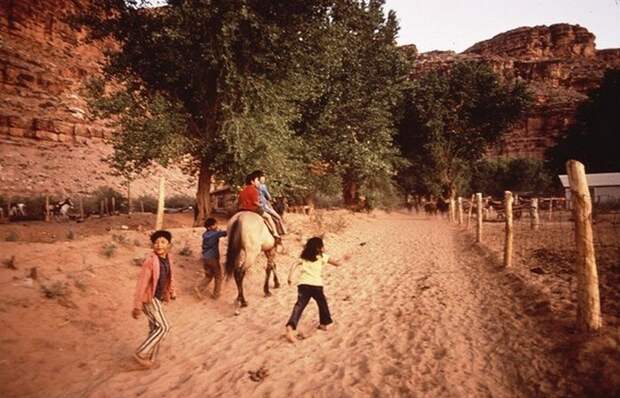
[249,200]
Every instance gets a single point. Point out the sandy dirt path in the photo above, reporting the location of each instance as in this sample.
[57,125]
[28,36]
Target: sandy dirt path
[416,314]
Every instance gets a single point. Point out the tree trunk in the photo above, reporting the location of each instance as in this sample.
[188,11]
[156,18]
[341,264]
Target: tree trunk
[349,191]
[203,196]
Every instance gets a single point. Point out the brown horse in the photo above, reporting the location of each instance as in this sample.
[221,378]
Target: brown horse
[247,232]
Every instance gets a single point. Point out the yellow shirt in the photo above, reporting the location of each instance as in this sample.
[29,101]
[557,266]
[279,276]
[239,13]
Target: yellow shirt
[311,271]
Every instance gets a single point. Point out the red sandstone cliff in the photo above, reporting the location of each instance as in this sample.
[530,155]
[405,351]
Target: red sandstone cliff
[559,63]
[48,141]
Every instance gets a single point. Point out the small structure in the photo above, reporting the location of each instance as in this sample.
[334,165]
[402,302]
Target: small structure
[604,187]
[224,200]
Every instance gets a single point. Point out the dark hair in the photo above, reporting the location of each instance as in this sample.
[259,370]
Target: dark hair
[259,173]
[312,249]
[161,234]
[251,177]
[209,222]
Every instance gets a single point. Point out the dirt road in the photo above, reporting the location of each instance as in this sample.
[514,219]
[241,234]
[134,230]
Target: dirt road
[418,310]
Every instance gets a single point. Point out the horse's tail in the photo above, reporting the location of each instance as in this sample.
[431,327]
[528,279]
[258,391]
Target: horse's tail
[234,247]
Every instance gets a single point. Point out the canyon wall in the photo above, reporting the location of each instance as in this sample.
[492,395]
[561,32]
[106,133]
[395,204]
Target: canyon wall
[50,144]
[48,141]
[559,64]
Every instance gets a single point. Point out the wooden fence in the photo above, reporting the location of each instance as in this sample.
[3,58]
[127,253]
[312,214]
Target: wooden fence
[511,207]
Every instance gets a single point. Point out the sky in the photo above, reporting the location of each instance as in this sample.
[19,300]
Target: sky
[459,24]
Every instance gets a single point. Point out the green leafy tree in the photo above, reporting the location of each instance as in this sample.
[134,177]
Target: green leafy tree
[347,123]
[212,84]
[594,139]
[494,176]
[449,119]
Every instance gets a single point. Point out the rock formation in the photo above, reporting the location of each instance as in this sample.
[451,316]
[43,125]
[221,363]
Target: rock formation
[559,63]
[48,140]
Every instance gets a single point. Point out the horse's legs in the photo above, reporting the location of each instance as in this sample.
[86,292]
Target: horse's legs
[271,266]
[276,282]
[239,274]
[267,274]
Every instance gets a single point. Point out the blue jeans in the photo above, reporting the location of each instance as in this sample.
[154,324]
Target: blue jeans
[304,294]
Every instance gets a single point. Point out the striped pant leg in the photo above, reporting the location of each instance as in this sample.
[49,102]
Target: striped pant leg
[158,329]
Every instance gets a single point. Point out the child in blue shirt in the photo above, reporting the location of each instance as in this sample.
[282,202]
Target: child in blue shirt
[211,257]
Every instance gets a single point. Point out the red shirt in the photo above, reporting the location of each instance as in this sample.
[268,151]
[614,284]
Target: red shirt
[249,198]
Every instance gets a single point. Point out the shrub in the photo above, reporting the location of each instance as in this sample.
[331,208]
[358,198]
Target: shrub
[495,176]
[10,263]
[149,202]
[57,289]
[180,201]
[185,251]
[109,249]
[92,203]
[12,236]
[120,238]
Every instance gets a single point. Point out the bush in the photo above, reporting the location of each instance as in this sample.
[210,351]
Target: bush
[149,202]
[495,176]
[92,203]
[180,201]
[12,237]
[109,249]
[325,201]
[185,251]
[57,289]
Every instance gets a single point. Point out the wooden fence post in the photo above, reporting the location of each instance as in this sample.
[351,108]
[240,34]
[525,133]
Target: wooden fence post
[508,241]
[588,299]
[459,210]
[451,211]
[141,206]
[113,205]
[534,219]
[479,217]
[159,222]
[101,208]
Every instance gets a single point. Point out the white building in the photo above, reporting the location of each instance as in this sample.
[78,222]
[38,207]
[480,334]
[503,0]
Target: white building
[604,187]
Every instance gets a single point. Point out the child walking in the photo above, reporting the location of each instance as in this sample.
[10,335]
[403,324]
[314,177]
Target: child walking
[211,256]
[310,285]
[155,285]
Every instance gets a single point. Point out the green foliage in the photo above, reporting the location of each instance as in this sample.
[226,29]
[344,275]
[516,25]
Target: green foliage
[493,177]
[205,83]
[595,138]
[449,119]
[347,121]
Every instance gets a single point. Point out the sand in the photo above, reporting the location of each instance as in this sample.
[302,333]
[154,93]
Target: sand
[419,310]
